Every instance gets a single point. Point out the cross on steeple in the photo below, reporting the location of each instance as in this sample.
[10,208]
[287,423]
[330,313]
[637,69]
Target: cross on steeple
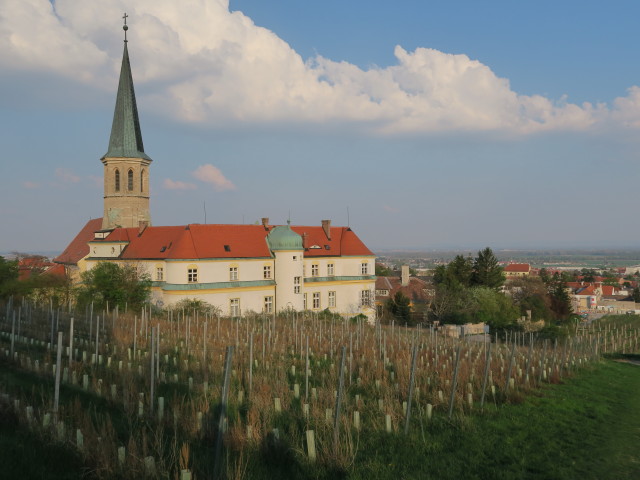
[125,27]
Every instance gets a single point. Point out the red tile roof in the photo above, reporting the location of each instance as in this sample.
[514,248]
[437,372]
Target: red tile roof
[589,290]
[344,242]
[241,241]
[416,290]
[29,266]
[517,268]
[78,247]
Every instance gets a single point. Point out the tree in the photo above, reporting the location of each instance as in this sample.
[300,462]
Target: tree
[486,271]
[399,306]
[461,269]
[544,275]
[383,271]
[8,277]
[111,283]
[636,295]
[588,274]
[560,301]
[530,293]
[493,308]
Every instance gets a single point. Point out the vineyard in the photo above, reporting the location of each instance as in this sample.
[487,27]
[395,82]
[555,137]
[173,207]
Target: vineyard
[181,394]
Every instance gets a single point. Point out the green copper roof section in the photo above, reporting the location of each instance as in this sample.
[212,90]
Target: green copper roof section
[283,238]
[126,137]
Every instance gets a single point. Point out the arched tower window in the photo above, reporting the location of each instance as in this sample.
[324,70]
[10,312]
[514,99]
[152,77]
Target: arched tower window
[117,180]
[130,180]
[142,181]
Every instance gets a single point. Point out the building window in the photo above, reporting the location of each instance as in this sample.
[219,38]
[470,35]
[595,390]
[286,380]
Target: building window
[130,180]
[364,269]
[117,180]
[332,299]
[159,274]
[234,307]
[266,271]
[314,270]
[268,304]
[365,298]
[304,301]
[142,181]
[295,257]
[316,300]
[330,269]
[296,284]
[192,275]
[233,273]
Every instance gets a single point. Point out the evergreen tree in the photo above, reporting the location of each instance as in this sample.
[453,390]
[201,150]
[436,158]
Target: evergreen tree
[486,271]
[461,269]
[399,306]
[560,301]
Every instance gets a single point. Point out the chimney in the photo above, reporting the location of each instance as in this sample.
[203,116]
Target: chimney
[265,223]
[142,224]
[326,226]
[405,275]
[304,240]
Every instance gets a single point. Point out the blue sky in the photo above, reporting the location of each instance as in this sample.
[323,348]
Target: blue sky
[434,124]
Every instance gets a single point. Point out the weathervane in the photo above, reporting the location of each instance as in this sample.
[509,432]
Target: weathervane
[124,27]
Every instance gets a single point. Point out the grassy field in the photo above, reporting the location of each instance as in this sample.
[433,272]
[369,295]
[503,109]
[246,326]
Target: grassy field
[587,428]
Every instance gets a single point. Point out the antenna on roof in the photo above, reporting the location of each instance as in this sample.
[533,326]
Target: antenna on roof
[348,219]
[204,206]
[289,219]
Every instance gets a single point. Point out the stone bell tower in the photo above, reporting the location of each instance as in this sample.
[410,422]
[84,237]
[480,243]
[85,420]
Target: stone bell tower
[126,166]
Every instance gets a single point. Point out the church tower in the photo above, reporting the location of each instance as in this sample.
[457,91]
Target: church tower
[126,166]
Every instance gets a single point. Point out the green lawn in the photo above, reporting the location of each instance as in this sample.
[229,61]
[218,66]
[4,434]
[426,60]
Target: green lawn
[586,428]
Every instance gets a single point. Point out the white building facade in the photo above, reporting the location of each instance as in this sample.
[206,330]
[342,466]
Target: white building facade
[259,269]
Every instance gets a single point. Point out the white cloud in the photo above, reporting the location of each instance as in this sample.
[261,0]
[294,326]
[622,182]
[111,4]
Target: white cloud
[201,63]
[212,175]
[30,185]
[66,175]
[96,181]
[626,110]
[177,185]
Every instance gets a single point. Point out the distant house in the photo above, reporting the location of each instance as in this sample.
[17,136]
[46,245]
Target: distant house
[587,297]
[416,289]
[515,270]
[32,266]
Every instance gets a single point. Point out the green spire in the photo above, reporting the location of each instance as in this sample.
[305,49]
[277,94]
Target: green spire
[126,137]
